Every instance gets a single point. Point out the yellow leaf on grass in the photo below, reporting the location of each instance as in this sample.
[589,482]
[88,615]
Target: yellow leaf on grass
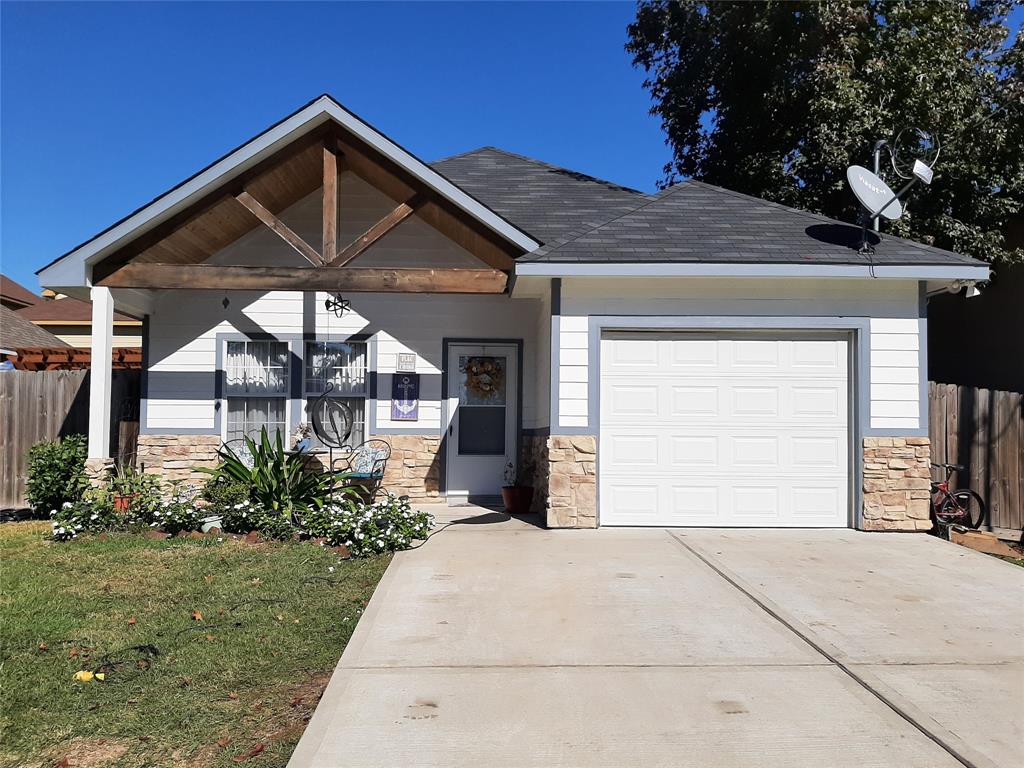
[83,676]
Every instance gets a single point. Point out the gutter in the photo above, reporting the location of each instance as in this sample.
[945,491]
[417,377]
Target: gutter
[971,272]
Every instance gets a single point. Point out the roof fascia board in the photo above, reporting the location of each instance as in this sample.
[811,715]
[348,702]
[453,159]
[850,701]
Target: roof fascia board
[71,269]
[900,272]
[171,203]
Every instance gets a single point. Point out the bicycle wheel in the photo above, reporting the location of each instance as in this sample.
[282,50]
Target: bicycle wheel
[963,507]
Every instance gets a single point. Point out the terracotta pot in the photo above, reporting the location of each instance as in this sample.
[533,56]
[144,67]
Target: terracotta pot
[517,499]
[123,503]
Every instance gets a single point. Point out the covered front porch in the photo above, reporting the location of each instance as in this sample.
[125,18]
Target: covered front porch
[318,258]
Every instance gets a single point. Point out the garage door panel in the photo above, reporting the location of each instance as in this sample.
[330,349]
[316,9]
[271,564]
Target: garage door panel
[694,400]
[696,452]
[718,431]
[632,451]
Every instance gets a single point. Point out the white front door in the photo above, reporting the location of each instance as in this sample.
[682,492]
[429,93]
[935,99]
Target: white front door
[482,418]
[724,429]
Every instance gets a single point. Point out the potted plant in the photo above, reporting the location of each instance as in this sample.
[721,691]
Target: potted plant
[123,486]
[516,496]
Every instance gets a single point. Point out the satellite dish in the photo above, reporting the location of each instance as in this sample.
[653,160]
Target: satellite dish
[873,193]
[914,153]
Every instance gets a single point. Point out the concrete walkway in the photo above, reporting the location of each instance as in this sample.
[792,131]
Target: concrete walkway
[501,644]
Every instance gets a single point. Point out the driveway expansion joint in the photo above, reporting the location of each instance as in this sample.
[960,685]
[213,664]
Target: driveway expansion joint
[762,602]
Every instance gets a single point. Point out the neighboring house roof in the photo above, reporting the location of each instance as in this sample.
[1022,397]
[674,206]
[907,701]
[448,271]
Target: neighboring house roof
[67,311]
[697,222]
[547,201]
[17,332]
[14,295]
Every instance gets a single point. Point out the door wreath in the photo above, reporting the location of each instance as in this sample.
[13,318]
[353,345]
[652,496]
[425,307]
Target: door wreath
[485,377]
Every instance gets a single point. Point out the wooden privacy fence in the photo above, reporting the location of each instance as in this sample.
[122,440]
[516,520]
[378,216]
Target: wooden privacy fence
[44,405]
[982,429]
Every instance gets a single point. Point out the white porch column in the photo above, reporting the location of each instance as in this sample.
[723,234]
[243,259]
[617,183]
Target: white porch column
[100,375]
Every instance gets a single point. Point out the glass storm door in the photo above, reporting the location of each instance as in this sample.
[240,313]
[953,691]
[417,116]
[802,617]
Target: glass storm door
[482,419]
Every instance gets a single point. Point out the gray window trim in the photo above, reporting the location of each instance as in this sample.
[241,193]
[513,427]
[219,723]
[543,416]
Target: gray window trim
[554,375]
[295,343]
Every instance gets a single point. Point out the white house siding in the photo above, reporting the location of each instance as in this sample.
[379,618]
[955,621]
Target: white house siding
[184,325]
[892,307]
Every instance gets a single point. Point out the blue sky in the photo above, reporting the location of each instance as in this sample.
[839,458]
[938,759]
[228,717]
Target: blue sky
[105,106]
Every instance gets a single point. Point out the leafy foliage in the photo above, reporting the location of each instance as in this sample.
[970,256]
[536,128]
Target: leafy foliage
[177,512]
[93,512]
[388,525]
[56,474]
[222,494]
[138,490]
[249,516]
[278,481]
[776,99]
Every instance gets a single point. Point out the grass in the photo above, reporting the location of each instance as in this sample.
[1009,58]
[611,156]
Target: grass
[274,620]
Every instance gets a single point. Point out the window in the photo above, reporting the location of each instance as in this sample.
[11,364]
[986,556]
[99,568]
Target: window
[343,365]
[256,388]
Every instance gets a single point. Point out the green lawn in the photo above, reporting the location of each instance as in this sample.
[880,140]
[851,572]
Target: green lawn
[179,689]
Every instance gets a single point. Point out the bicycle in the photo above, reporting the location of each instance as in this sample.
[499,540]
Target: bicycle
[960,507]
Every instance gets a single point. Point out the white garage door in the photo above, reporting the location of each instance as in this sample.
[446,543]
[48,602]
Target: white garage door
[723,430]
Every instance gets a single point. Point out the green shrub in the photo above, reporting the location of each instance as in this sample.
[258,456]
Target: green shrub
[278,482]
[92,513]
[56,474]
[178,511]
[388,525]
[252,516]
[223,494]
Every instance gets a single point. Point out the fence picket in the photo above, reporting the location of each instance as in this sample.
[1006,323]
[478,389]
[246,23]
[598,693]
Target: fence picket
[984,430]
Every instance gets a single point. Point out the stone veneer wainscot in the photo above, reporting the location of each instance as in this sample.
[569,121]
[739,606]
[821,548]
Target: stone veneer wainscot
[572,481]
[896,484]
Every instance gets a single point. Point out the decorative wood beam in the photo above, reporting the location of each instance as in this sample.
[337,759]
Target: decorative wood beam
[330,249]
[353,279]
[282,230]
[227,190]
[399,214]
[438,212]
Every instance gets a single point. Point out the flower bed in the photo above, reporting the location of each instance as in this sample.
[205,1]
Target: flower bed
[270,498]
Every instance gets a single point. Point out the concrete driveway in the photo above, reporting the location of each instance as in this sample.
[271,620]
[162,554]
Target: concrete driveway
[505,645]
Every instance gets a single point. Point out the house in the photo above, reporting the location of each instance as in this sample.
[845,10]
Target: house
[978,341]
[70,320]
[694,357]
[17,333]
[15,296]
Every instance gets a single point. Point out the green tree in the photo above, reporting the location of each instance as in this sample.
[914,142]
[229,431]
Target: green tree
[776,99]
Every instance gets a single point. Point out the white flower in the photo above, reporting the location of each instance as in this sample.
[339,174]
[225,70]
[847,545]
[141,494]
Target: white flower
[330,569]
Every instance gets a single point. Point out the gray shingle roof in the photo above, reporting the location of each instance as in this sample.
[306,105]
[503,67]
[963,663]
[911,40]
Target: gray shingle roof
[17,332]
[583,219]
[547,201]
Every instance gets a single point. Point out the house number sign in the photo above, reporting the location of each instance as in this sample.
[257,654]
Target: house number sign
[405,396]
